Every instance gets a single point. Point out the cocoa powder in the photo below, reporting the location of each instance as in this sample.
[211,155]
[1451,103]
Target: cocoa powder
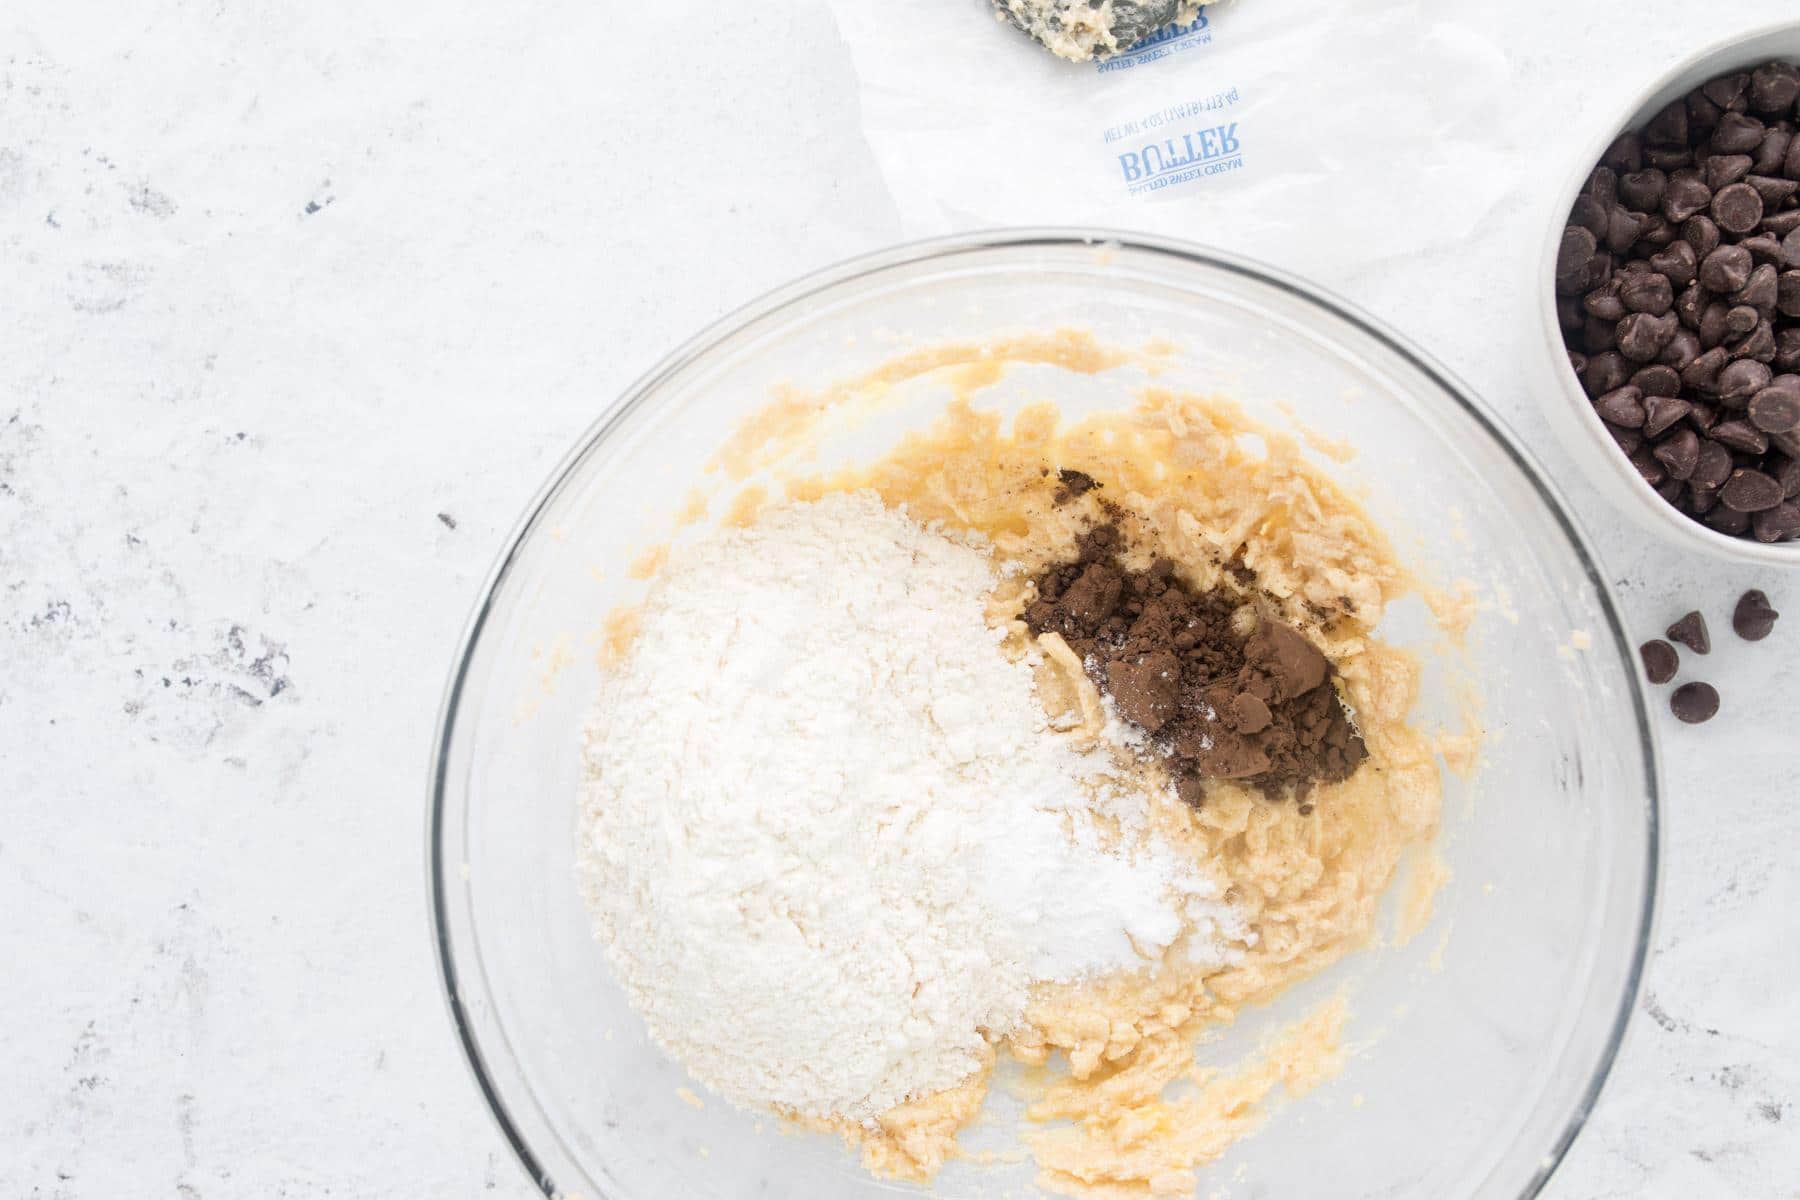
[1223,691]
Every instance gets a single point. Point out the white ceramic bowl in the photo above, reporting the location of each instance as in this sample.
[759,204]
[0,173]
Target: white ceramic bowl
[1571,414]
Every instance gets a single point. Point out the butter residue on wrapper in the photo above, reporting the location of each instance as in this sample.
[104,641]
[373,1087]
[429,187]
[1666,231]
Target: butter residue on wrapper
[1226,499]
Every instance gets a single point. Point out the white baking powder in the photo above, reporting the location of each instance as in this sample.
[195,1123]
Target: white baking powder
[828,838]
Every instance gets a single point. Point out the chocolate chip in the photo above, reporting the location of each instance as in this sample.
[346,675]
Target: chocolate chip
[1741,436]
[1649,292]
[1754,616]
[1758,345]
[1682,349]
[1701,415]
[1787,293]
[1723,170]
[1737,133]
[1676,263]
[1657,380]
[1764,248]
[1728,521]
[1726,269]
[1685,194]
[1750,491]
[1622,229]
[1788,476]
[1758,295]
[1625,154]
[1713,466]
[1578,245]
[1787,349]
[1772,152]
[1779,225]
[1727,91]
[1701,234]
[1690,631]
[1776,409]
[1642,191]
[1694,702]
[1679,452]
[1663,410]
[1604,302]
[1668,127]
[1623,407]
[1641,336]
[1648,467]
[1741,318]
[1773,192]
[1703,373]
[1741,380]
[1790,248]
[1778,524]
[1660,660]
[1774,88]
[1736,209]
[1604,372]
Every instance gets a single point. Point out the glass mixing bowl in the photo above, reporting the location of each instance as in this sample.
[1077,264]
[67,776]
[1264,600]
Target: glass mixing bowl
[1480,1045]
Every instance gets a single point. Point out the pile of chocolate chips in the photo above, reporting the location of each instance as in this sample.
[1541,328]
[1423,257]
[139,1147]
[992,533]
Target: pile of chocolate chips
[1678,291]
[1216,704]
[1697,701]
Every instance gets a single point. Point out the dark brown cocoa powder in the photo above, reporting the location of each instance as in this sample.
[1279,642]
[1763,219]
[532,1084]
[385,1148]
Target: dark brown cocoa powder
[1216,703]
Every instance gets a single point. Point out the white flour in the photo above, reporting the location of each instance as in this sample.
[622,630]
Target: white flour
[827,836]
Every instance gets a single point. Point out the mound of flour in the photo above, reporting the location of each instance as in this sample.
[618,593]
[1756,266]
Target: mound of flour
[826,835]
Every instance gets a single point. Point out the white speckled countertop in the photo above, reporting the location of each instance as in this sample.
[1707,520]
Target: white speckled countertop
[299,304]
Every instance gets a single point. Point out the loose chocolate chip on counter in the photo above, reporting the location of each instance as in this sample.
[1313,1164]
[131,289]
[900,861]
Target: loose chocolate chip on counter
[1690,631]
[1754,616]
[1660,660]
[1694,702]
[1750,491]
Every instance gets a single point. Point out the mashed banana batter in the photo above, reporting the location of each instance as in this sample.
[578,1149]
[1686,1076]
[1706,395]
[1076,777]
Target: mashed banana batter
[1230,511]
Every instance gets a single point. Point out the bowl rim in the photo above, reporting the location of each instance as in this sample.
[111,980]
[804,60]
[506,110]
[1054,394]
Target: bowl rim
[1689,533]
[438,868]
